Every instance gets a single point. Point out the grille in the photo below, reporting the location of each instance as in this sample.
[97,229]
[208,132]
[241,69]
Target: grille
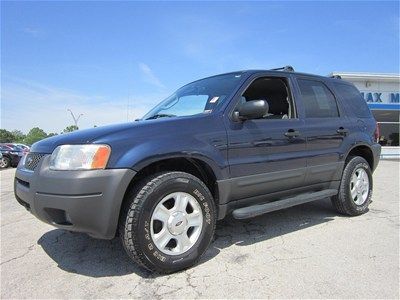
[32,160]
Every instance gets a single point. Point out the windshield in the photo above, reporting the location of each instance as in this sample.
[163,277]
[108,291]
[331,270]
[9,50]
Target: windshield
[199,97]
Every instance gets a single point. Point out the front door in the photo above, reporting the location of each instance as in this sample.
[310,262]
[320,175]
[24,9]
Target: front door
[269,154]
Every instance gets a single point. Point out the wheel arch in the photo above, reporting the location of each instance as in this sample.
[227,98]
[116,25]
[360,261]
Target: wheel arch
[194,166]
[364,151]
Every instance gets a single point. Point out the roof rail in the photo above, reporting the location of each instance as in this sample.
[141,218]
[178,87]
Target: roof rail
[285,68]
[336,76]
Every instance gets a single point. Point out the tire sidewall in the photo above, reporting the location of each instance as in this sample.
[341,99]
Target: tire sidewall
[2,163]
[355,164]
[202,195]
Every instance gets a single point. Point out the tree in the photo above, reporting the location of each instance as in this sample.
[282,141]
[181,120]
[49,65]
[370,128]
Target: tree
[51,134]
[70,128]
[6,136]
[34,135]
[19,136]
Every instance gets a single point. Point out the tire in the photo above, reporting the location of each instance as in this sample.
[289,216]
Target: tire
[344,201]
[138,221]
[5,162]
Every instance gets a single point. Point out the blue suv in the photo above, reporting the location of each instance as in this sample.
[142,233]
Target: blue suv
[242,143]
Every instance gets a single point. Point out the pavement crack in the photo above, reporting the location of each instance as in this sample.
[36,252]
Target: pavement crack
[20,256]
[292,258]
[17,221]
[189,283]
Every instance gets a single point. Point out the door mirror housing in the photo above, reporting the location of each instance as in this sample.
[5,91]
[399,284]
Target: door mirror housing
[254,109]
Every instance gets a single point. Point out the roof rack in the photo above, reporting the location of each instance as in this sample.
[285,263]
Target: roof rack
[285,68]
[336,76]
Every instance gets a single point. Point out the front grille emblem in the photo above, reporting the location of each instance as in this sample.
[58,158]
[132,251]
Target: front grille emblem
[29,160]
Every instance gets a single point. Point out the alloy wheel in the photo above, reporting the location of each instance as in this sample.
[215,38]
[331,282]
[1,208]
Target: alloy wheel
[176,223]
[359,186]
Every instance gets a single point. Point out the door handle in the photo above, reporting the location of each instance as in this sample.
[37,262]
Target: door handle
[292,133]
[342,131]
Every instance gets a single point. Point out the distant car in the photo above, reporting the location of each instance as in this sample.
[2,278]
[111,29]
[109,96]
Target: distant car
[26,148]
[18,147]
[1,161]
[11,155]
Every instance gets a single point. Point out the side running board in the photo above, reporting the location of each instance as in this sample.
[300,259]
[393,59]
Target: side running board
[259,209]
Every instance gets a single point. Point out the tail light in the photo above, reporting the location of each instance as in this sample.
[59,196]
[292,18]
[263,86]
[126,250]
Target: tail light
[377,132]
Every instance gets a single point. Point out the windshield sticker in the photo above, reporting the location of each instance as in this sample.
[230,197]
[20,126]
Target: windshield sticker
[214,99]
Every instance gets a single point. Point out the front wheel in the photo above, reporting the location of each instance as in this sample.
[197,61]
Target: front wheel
[355,190]
[4,162]
[168,221]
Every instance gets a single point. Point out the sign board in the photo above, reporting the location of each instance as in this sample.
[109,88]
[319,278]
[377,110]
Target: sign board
[381,97]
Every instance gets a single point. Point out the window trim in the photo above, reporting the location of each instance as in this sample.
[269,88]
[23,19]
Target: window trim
[289,86]
[339,111]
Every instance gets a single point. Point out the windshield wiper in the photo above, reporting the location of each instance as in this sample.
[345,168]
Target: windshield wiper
[157,116]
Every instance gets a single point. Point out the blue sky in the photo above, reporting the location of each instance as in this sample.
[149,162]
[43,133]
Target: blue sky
[99,58]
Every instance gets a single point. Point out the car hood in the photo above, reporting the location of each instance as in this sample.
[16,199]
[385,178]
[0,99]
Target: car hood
[84,136]
[124,136]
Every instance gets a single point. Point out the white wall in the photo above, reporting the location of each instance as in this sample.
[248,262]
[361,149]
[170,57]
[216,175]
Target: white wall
[386,88]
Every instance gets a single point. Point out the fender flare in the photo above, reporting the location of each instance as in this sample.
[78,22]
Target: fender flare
[220,171]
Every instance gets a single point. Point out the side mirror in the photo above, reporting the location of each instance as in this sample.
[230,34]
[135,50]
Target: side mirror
[254,109]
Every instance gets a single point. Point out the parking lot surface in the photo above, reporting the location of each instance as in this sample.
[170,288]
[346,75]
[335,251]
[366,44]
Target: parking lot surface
[308,251]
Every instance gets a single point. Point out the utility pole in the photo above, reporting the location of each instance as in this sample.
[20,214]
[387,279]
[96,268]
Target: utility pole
[76,119]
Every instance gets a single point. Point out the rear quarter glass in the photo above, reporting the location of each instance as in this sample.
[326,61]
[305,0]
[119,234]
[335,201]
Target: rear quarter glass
[352,100]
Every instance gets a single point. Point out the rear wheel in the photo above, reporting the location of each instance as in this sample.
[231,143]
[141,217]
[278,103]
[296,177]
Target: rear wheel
[4,162]
[168,221]
[355,190]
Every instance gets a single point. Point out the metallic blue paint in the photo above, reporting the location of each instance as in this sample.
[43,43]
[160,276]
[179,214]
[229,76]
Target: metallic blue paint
[231,149]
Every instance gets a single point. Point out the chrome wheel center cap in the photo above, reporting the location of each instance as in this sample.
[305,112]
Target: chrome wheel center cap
[177,223]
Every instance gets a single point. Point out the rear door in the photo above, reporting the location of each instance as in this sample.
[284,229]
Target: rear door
[325,130]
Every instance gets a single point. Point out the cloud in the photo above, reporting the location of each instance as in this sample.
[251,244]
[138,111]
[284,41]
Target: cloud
[26,104]
[149,76]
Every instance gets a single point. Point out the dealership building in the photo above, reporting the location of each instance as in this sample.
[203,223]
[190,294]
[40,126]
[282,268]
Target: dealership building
[382,93]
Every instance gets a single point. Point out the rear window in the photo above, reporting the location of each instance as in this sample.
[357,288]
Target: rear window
[353,99]
[318,100]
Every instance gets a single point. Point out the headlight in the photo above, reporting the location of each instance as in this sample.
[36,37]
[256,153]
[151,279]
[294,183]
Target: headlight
[80,157]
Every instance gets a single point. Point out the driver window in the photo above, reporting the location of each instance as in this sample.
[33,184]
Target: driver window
[275,92]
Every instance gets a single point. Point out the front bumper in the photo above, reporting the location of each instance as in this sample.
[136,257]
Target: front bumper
[84,201]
